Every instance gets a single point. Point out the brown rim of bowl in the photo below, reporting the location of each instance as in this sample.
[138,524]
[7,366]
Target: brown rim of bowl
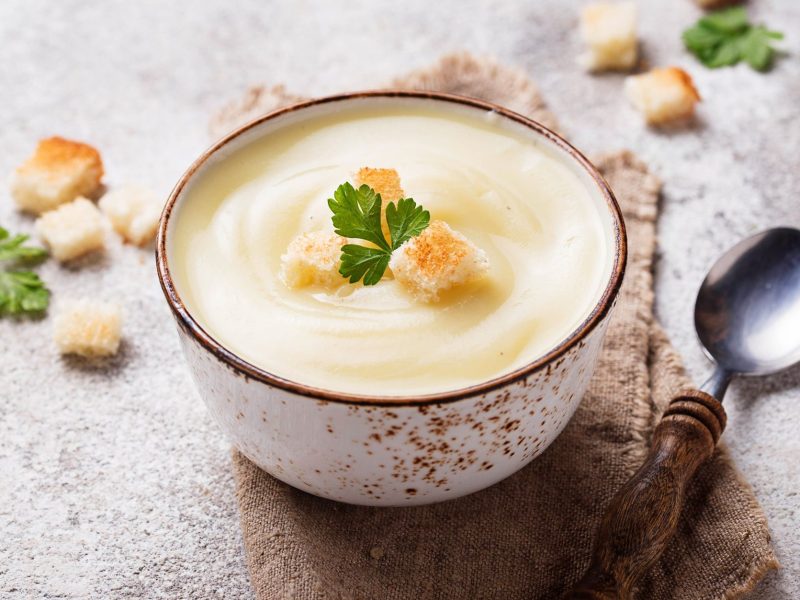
[246,369]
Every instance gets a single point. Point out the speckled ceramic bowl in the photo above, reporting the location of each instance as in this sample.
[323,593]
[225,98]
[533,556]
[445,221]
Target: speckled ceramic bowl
[382,450]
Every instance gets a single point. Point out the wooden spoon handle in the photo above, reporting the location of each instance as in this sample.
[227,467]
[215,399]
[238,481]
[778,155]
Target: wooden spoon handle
[643,515]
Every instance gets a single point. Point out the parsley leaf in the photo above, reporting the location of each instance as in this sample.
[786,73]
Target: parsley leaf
[405,220]
[361,261]
[757,49]
[357,214]
[727,54]
[20,291]
[724,38]
[730,20]
[11,248]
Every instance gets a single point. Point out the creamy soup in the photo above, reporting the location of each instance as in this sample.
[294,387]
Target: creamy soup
[539,223]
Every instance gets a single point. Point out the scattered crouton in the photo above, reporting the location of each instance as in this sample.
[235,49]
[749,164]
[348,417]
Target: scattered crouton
[134,212]
[662,95]
[59,171]
[313,259]
[609,32]
[72,229]
[436,260]
[88,328]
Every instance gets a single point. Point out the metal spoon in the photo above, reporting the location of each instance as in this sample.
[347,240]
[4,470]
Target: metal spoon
[747,317]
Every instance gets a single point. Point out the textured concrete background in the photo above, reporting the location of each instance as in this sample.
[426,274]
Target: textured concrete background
[113,482]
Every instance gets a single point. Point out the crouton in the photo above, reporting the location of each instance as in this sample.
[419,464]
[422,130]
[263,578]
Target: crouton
[609,32]
[88,328]
[134,212]
[662,95]
[313,259]
[72,230]
[436,260]
[386,182]
[59,171]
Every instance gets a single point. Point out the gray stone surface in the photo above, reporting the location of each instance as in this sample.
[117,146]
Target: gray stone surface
[113,482]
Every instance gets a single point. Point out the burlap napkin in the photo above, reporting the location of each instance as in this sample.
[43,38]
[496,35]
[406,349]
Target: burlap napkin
[529,536]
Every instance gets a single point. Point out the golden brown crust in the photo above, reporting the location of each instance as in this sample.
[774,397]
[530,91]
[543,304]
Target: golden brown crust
[386,182]
[679,76]
[436,260]
[663,95]
[58,154]
[436,250]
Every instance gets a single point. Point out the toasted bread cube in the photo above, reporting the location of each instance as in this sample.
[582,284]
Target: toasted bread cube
[609,32]
[313,259]
[72,230]
[134,212]
[662,95]
[88,328]
[436,260]
[385,182]
[59,171]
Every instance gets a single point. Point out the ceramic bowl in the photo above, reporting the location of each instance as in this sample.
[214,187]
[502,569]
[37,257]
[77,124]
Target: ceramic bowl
[380,450]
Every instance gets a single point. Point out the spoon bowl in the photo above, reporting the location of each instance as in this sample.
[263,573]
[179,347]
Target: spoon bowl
[747,314]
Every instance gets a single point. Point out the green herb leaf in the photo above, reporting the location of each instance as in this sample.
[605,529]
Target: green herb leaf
[728,20]
[361,261]
[12,248]
[22,292]
[357,214]
[726,54]
[406,220]
[702,42]
[725,38]
[756,47]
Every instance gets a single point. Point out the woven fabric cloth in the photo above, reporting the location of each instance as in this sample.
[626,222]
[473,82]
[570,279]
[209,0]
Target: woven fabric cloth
[529,536]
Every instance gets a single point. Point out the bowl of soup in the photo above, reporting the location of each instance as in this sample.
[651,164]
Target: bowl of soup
[368,394]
